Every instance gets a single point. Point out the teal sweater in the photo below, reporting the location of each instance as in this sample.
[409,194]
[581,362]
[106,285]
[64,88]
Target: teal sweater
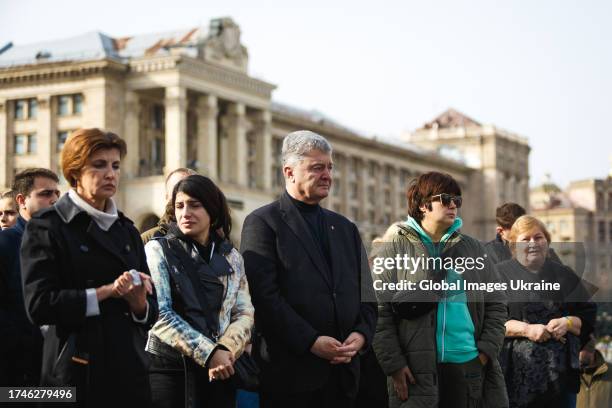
[455,329]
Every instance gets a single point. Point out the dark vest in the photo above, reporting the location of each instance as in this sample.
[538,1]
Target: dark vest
[195,287]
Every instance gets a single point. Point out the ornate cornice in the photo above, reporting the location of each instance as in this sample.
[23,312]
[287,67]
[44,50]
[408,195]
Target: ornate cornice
[205,71]
[34,73]
[226,77]
[154,64]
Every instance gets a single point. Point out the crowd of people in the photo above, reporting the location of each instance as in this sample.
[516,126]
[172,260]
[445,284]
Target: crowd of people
[179,316]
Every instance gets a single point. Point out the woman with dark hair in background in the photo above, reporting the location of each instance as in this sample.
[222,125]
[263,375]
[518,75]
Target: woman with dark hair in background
[206,315]
[546,329]
[86,277]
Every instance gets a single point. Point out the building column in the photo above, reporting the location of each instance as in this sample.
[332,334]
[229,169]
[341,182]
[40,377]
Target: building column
[46,134]
[262,122]
[362,182]
[236,125]
[131,133]
[344,197]
[207,136]
[176,128]
[95,105]
[395,191]
[6,165]
[379,201]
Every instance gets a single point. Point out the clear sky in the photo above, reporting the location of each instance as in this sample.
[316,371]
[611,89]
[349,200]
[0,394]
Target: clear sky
[539,68]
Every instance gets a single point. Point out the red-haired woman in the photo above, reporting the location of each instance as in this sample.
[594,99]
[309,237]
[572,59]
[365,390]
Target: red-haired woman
[86,277]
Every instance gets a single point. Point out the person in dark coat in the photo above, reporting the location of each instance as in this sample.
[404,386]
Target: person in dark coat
[85,275]
[20,340]
[307,270]
[546,327]
[498,249]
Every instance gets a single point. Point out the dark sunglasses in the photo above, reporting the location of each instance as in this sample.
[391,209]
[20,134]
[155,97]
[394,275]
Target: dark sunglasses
[446,199]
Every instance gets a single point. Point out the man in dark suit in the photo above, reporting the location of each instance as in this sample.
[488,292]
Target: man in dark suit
[310,284]
[20,340]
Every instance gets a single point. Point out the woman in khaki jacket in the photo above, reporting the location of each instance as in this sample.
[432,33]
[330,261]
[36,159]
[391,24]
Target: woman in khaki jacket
[438,348]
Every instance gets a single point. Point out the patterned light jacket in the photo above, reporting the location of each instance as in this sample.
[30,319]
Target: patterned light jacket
[236,316]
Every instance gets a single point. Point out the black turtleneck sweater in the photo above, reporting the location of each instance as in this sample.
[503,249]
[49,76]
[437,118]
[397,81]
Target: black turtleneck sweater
[314,217]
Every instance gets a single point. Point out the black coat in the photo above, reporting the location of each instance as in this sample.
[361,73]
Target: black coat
[63,253]
[298,298]
[20,340]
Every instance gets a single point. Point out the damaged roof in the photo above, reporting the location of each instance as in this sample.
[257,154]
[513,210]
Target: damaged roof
[97,45]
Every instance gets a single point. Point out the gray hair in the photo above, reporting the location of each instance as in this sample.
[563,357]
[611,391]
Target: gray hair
[298,144]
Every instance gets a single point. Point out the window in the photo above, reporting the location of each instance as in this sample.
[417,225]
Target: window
[355,168]
[156,152]
[610,230]
[387,197]
[32,108]
[77,104]
[404,177]
[338,165]
[61,139]
[372,169]
[337,188]
[599,203]
[372,216]
[387,174]
[26,144]
[69,104]
[354,190]
[32,143]
[62,105]
[371,195]
[252,159]
[20,109]
[157,117]
[601,231]
[21,142]
[277,170]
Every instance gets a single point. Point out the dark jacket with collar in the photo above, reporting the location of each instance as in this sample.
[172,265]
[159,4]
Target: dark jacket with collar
[298,297]
[20,340]
[596,385]
[498,250]
[63,253]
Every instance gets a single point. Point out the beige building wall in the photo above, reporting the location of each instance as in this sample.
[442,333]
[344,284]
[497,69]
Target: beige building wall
[582,213]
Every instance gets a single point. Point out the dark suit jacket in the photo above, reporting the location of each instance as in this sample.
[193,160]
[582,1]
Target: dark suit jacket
[298,298]
[63,253]
[20,340]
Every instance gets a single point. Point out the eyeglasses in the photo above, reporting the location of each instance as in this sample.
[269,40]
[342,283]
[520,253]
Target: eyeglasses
[446,199]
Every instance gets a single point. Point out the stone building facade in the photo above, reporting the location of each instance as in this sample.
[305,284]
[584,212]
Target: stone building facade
[185,99]
[501,157]
[581,214]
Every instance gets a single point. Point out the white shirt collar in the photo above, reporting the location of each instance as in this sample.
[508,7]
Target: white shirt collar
[104,219]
